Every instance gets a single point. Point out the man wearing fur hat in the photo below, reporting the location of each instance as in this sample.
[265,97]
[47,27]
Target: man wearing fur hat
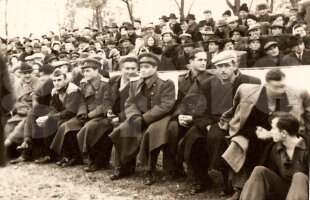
[243,13]
[262,10]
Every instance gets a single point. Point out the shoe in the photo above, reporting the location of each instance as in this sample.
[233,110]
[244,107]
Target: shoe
[44,160]
[21,158]
[72,162]
[63,160]
[150,178]
[23,146]
[174,175]
[118,174]
[198,188]
[91,168]
[236,194]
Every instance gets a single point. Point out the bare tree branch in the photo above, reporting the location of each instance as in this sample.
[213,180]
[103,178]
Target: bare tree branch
[177,4]
[230,5]
[190,7]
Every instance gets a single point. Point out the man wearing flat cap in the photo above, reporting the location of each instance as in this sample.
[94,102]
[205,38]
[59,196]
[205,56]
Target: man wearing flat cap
[273,56]
[150,100]
[204,136]
[80,134]
[23,89]
[299,56]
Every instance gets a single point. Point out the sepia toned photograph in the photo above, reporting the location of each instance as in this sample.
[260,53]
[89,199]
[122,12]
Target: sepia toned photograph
[154,99]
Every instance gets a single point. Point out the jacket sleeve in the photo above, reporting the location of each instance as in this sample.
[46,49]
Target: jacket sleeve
[73,102]
[203,117]
[106,103]
[167,103]
[306,116]
[131,107]
[229,114]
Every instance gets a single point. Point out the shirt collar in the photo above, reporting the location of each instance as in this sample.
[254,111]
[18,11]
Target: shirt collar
[149,81]
[96,81]
[301,144]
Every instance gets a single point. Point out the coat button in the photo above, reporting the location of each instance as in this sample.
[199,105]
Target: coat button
[152,93]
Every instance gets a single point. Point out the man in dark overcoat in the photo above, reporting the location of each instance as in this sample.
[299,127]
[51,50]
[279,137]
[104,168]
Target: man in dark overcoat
[172,127]
[150,100]
[97,100]
[204,142]
[299,55]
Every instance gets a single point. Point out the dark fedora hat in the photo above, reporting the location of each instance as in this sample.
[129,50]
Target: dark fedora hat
[190,17]
[164,17]
[188,43]
[172,16]
[294,41]
[24,68]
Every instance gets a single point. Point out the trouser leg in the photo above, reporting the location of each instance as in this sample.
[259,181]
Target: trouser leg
[100,153]
[152,160]
[299,189]
[264,184]
[198,164]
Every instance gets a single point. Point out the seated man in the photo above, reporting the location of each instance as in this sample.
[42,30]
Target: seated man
[204,142]
[283,172]
[95,141]
[170,131]
[97,100]
[65,102]
[23,90]
[299,55]
[252,107]
[273,58]
[150,99]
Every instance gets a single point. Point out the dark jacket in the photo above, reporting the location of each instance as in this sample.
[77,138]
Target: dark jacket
[65,107]
[267,61]
[292,60]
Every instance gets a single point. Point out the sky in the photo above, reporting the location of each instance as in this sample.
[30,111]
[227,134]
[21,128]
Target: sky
[40,16]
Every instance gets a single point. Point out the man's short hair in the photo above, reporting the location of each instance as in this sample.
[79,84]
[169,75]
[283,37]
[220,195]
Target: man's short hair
[274,75]
[193,52]
[129,59]
[287,122]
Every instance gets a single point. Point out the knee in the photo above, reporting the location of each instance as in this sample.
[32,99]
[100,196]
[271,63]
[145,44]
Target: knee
[7,143]
[299,176]
[259,170]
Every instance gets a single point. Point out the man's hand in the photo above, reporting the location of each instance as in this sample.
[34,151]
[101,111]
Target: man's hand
[262,133]
[137,122]
[41,121]
[110,114]
[185,120]
[83,118]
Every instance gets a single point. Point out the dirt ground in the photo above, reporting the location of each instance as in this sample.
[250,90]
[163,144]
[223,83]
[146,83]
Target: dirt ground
[35,182]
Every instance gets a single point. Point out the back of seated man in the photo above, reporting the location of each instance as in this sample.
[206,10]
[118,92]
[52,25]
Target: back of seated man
[283,173]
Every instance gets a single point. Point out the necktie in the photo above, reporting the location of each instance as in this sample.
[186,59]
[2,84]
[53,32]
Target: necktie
[299,58]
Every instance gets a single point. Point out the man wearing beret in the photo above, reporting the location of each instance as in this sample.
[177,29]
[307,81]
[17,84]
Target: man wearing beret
[97,100]
[22,90]
[299,55]
[150,99]
[64,104]
[205,141]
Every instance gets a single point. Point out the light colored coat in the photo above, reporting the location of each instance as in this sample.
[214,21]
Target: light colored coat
[244,101]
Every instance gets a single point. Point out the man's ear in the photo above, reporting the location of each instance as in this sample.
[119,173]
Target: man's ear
[284,133]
